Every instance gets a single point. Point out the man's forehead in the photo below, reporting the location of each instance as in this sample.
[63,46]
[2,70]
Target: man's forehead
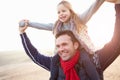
[63,38]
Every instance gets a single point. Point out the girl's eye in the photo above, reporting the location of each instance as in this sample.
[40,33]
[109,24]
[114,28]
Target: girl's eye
[63,10]
[64,44]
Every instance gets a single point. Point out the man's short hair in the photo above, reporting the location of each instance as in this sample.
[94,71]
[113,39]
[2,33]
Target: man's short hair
[69,33]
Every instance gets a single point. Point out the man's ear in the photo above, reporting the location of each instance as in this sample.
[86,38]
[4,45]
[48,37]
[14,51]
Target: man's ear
[76,45]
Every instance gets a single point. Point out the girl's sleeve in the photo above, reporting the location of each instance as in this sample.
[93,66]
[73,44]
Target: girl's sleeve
[89,13]
[32,52]
[114,1]
[42,26]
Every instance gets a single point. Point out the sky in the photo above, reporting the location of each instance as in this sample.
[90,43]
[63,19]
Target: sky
[100,26]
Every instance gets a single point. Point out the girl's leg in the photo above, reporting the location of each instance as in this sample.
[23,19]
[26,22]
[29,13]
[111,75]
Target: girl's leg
[112,49]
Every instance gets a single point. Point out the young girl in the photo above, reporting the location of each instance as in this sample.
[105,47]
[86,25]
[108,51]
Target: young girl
[69,20]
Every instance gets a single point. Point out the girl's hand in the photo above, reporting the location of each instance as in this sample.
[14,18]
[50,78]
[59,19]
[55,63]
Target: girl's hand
[23,28]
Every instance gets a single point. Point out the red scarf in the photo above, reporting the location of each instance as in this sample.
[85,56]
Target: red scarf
[68,67]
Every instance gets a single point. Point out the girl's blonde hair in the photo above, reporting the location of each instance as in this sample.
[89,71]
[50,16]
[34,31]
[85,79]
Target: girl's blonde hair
[76,20]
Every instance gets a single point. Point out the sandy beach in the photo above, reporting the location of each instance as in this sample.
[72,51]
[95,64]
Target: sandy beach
[16,65]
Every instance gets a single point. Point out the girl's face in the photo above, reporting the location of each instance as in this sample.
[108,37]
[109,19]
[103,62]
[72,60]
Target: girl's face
[63,13]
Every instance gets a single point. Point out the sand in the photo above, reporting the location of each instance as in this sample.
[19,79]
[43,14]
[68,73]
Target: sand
[16,65]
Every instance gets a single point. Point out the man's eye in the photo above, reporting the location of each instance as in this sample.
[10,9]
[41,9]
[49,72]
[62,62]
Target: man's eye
[57,46]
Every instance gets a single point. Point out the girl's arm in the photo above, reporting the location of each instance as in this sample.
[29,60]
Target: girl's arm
[32,52]
[41,26]
[89,13]
[114,1]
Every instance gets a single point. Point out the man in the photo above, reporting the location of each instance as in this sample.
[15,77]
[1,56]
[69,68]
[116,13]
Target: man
[68,49]
[72,62]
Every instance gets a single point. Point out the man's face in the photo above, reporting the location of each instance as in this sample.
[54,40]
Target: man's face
[65,47]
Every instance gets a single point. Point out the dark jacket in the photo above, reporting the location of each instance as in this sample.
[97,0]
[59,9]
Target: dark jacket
[86,68]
